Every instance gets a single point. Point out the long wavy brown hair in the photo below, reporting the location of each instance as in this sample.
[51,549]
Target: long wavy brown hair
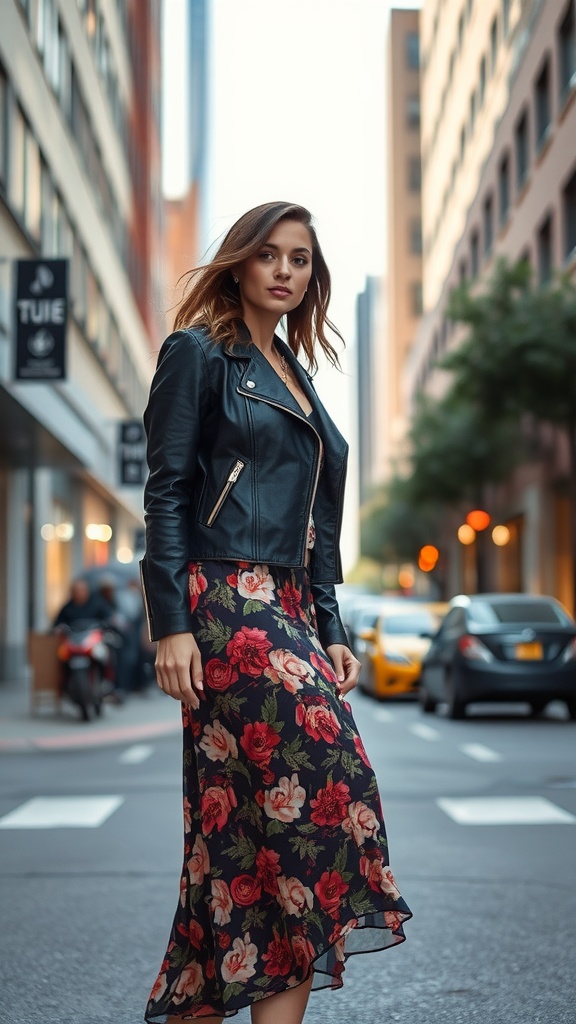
[212,298]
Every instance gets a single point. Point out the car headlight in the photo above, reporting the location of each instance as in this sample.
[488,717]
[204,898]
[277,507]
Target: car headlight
[396,658]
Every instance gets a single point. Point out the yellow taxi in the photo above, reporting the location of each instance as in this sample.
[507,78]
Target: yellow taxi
[391,652]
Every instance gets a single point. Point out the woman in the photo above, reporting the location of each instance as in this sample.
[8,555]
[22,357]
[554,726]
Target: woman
[285,869]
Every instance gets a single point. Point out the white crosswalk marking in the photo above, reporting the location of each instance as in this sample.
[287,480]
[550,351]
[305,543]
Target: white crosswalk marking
[505,810]
[425,732]
[480,753]
[62,812]
[383,715]
[136,754]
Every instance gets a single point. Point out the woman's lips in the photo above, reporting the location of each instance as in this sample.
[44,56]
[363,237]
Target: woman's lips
[280,293]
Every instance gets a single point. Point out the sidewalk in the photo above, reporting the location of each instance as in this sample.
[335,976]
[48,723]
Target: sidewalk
[139,718]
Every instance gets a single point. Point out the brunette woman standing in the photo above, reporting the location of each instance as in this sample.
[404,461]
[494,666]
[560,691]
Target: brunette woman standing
[285,864]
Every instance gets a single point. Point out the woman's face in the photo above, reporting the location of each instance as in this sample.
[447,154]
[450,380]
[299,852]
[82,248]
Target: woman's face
[275,279]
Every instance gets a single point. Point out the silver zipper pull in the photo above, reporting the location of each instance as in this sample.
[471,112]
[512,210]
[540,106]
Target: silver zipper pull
[236,470]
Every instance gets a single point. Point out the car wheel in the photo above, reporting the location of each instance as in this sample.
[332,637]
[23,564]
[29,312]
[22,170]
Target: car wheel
[571,705]
[427,703]
[456,706]
[537,707]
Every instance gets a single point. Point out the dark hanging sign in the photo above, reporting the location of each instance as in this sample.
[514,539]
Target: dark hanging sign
[132,452]
[41,313]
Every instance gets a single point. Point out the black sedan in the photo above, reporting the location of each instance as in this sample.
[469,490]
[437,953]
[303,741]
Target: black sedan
[501,647]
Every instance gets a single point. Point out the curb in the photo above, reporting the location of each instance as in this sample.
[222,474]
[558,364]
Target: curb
[116,735]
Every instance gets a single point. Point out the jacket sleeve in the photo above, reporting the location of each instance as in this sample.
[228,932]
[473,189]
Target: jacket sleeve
[330,628]
[179,398]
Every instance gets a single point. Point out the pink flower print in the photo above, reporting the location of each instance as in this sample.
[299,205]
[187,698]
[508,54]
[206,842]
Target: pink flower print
[284,801]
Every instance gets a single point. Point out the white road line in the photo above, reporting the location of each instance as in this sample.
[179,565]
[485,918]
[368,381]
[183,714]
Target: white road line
[62,812]
[136,754]
[505,810]
[383,715]
[425,732]
[480,753]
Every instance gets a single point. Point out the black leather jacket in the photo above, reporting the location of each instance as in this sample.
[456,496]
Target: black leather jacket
[234,473]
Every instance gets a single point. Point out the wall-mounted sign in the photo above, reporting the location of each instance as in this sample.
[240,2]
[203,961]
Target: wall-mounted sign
[41,314]
[132,452]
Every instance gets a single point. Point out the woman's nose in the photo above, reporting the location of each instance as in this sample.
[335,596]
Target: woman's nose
[283,268]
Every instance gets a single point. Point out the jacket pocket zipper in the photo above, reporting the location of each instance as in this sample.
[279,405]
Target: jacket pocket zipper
[232,478]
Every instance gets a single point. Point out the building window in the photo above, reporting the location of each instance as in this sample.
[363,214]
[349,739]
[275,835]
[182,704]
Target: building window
[543,109]
[482,83]
[414,174]
[569,210]
[545,253]
[522,156]
[474,253]
[416,236]
[505,18]
[416,298]
[451,67]
[488,218]
[567,51]
[412,50]
[469,7]
[462,143]
[493,45]
[462,272]
[504,188]
[413,111]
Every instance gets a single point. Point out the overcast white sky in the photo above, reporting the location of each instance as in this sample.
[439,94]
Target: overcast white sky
[297,112]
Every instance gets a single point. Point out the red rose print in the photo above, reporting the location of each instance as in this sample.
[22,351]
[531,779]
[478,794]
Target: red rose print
[232,580]
[322,665]
[278,957]
[219,675]
[268,868]
[258,741]
[319,722]
[303,951]
[248,649]
[331,804]
[194,933]
[290,599]
[197,584]
[329,889]
[224,940]
[245,890]
[215,807]
[361,751]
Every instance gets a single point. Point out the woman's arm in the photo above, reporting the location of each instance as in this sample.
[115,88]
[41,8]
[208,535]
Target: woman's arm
[179,400]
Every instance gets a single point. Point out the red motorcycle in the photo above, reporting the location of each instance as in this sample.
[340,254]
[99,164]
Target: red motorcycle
[87,662]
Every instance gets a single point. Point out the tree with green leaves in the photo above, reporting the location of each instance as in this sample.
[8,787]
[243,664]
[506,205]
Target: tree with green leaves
[518,361]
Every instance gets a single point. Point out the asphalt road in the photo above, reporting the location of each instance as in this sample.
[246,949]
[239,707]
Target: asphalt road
[85,911]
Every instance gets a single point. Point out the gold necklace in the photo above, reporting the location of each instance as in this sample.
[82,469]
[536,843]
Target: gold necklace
[284,368]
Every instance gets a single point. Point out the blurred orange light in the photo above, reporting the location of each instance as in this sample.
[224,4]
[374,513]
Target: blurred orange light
[406,578]
[500,535]
[466,535]
[478,519]
[429,553]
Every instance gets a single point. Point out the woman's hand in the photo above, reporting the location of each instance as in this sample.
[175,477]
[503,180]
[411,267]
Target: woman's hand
[346,667]
[179,668]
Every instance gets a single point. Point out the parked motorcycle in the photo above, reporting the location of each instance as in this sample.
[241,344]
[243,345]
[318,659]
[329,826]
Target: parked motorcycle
[88,667]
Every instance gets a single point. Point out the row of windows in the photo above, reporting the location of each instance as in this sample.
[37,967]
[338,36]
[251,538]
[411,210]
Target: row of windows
[34,200]
[538,119]
[48,37]
[469,266]
[499,28]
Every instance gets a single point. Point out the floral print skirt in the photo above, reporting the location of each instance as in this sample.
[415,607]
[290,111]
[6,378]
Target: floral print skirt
[285,853]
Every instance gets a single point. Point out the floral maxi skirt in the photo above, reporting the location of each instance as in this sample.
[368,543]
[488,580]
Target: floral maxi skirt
[285,853]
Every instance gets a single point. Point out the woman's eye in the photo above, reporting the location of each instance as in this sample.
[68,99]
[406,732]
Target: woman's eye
[265,255]
[300,261]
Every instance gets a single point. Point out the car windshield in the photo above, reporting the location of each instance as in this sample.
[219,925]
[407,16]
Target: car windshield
[493,613]
[409,624]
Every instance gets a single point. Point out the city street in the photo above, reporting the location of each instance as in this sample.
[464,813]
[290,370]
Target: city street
[86,910]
